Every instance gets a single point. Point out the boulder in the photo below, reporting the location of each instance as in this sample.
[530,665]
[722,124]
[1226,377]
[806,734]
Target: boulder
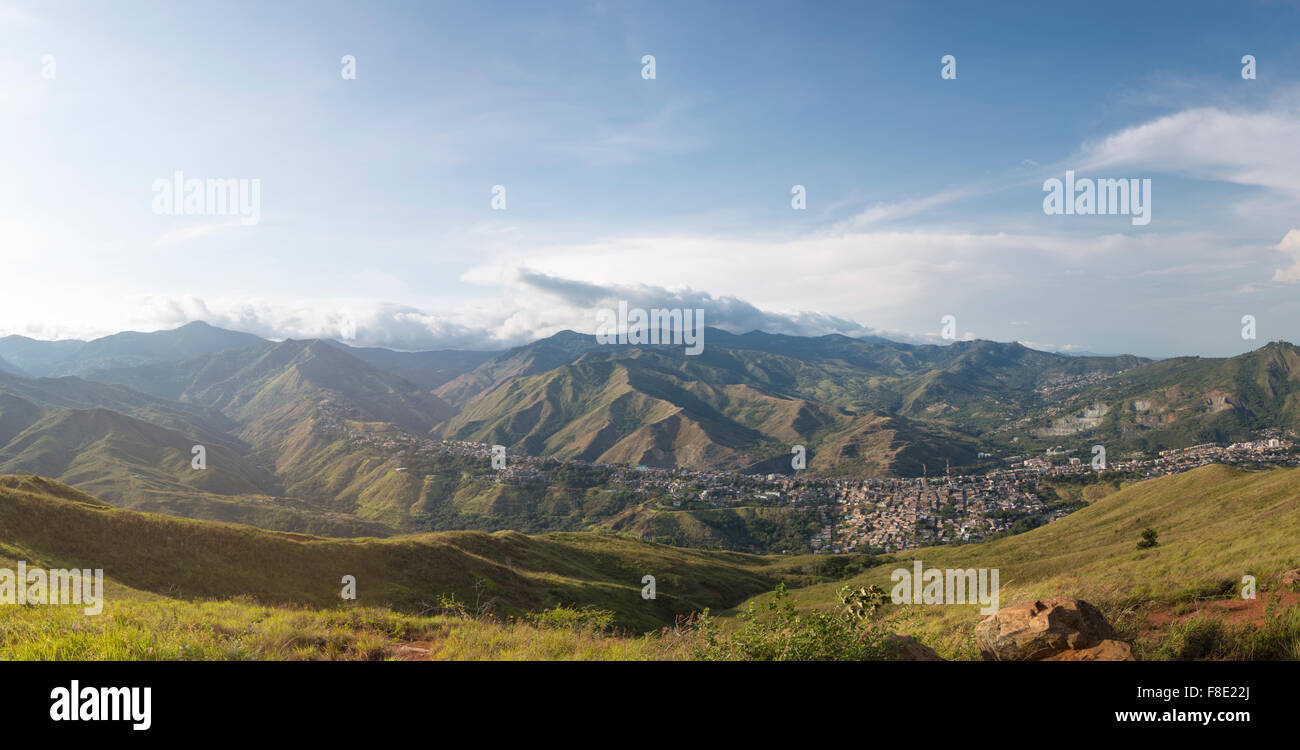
[1041,628]
[1108,650]
[907,648]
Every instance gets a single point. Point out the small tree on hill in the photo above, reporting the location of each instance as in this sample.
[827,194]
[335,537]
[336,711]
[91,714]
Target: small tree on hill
[1148,539]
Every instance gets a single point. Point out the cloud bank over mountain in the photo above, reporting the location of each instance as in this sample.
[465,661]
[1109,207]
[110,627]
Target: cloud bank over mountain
[533,305]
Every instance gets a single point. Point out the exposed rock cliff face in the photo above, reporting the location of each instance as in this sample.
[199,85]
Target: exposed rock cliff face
[1087,419]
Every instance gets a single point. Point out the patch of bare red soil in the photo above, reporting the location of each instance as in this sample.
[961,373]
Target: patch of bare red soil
[1234,611]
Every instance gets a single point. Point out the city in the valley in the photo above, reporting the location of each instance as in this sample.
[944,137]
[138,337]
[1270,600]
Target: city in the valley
[863,515]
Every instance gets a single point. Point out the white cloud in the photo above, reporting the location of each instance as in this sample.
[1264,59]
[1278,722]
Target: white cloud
[534,306]
[864,283]
[1290,245]
[1259,148]
[852,276]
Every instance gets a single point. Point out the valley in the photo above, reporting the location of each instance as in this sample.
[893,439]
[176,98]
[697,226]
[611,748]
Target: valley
[906,445]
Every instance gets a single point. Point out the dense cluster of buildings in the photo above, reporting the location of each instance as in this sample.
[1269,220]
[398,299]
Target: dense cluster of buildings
[1269,448]
[891,514]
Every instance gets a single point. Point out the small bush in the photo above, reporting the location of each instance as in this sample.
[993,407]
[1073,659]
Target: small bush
[573,618]
[855,632]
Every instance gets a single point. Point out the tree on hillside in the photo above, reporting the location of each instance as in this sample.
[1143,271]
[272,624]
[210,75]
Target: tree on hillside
[1148,539]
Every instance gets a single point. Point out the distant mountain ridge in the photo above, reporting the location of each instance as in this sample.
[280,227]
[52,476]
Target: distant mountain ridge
[427,369]
[647,407]
[928,403]
[126,349]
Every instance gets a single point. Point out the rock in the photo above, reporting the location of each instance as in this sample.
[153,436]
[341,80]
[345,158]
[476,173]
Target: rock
[1041,628]
[1291,578]
[1108,650]
[910,649]
[417,651]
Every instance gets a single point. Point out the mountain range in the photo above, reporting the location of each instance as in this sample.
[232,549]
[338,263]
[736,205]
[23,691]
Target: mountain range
[316,436]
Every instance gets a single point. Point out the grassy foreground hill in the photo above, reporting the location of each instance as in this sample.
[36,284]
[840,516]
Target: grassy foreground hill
[187,576]
[180,588]
[1215,525]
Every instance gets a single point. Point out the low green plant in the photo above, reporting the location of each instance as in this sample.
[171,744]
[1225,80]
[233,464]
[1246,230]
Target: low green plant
[586,618]
[856,631]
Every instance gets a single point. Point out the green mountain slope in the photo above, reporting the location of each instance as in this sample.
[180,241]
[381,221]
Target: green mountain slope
[205,425]
[1183,401]
[918,404]
[646,407]
[300,406]
[117,456]
[563,348]
[264,383]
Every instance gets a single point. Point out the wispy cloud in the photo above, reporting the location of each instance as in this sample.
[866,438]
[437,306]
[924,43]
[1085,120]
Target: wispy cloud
[1257,148]
[884,212]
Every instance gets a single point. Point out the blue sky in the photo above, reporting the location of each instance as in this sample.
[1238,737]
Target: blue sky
[924,195]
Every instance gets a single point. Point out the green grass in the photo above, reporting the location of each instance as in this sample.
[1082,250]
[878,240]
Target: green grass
[236,630]
[183,589]
[51,525]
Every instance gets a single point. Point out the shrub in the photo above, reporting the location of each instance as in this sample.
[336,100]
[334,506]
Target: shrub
[574,618]
[855,632]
